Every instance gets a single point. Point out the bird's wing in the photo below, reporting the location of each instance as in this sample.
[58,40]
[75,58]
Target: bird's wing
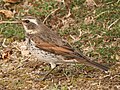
[51,47]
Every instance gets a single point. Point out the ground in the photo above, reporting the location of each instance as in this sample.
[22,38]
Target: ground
[91,26]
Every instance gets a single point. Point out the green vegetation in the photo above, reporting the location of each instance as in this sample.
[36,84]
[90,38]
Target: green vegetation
[97,30]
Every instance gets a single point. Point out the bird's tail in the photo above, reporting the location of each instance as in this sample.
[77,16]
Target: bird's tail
[97,65]
[86,60]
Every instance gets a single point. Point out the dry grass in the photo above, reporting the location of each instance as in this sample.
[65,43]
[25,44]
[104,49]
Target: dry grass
[94,29]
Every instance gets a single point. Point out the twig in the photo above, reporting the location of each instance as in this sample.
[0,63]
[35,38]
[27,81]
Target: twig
[113,23]
[101,13]
[3,44]
[110,2]
[2,22]
[50,14]
[75,39]
[69,14]
[118,1]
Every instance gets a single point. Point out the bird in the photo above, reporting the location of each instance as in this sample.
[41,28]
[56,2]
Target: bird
[47,45]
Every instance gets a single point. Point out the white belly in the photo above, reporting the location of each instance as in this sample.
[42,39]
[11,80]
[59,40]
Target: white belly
[43,55]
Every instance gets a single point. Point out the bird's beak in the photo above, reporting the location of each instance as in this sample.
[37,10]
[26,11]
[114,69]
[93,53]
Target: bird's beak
[20,21]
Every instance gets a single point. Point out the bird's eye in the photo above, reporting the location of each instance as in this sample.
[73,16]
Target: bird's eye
[26,21]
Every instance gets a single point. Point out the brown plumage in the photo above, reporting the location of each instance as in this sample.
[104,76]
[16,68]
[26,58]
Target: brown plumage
[44,39]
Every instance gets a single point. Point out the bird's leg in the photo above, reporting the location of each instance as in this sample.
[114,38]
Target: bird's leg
[53,66]
[48,73]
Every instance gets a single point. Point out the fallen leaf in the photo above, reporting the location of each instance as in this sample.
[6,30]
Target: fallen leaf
[23,48]
[90,3]
[59,0]
[11,1]
[117,57]
[7,13]
[6,53]
[88,20]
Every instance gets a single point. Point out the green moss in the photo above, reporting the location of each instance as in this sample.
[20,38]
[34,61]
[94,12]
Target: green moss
[12,30]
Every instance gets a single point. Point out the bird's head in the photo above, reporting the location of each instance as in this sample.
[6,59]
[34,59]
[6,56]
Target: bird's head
[30,24]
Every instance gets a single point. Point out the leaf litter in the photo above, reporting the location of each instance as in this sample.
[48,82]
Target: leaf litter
[19,70]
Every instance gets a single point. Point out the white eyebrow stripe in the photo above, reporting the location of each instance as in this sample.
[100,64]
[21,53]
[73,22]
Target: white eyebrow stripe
[34,21]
